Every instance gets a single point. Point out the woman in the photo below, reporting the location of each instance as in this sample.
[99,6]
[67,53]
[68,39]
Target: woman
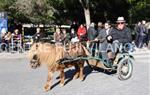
[82,33]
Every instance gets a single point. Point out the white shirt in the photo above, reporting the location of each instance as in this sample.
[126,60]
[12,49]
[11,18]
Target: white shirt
[107,31]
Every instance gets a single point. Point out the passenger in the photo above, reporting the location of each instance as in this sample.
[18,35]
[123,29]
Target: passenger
[103,41]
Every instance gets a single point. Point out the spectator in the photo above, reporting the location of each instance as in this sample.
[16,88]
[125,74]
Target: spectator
[74,26]
[8,39]
[63,36]
[16,39]
[143,34]
[57,36]
[72,34]
[82,33]
[16,36]
[3,33]
[100,27]
[91,32]
[148,35]
[38,35]
[137,29]
[2,38]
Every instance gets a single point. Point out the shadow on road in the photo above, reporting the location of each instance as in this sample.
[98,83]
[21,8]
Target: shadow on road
[87,70]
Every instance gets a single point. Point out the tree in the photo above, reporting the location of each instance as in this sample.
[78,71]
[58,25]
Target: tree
[138,10]
[86,8]
[60,11]
[37,11]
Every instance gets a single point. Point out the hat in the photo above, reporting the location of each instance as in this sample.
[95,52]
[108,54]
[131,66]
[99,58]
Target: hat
[120,19]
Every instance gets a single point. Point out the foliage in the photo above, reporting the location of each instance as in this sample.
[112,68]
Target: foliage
[137,8]
[64,11]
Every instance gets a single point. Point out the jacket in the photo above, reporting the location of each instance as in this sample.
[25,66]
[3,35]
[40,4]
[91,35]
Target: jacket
[123,36]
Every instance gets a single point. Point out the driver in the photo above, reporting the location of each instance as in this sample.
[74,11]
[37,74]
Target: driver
[120,35]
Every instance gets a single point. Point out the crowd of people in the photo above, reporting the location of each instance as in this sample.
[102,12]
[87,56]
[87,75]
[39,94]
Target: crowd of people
[101,34]
[9,40]
[105,35]
[101,31]
[142,32]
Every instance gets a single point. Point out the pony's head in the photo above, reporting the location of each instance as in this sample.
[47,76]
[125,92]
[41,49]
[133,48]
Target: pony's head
[44,53]
[33,56]
[35,62]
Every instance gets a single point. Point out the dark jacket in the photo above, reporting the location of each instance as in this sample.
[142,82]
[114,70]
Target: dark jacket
[144,30]
[38,36]
[137,29]
[102,35]
[102,39]
[91,33]
[123,36]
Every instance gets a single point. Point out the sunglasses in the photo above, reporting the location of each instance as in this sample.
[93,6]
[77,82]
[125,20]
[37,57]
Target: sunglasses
[120,23]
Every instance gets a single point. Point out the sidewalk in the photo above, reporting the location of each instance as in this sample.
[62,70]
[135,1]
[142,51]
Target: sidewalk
[141,51]
[143,54]
[5,55]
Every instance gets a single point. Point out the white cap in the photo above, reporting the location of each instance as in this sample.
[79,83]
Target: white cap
[120,19]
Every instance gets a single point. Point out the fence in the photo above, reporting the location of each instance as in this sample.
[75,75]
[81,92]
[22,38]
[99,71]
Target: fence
[19,44]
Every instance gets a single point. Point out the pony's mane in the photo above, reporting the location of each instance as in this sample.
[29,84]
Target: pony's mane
[49,54]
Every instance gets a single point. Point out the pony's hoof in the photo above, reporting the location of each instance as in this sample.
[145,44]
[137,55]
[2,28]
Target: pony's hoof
[82,78]
[62,84]
[75,76]
[46,88]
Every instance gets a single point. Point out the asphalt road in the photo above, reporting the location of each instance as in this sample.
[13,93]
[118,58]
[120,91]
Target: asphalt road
[17,78]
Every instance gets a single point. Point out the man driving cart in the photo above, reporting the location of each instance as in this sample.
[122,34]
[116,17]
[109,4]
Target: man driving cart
[117,36]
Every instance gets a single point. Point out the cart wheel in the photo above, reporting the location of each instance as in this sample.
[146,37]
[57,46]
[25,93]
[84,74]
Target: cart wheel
[125,69]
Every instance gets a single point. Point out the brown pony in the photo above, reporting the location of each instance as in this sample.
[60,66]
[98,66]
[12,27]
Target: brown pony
[50,54]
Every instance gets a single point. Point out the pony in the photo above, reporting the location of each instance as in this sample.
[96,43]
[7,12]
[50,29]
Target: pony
[52,55]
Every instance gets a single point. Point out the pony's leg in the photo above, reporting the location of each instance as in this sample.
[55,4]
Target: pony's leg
[76,75]
[49,81]
[62,77]
[81,66]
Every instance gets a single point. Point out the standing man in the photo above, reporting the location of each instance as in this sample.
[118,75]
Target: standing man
[143,34]
[74,26]
[137,29]
[99,26]
[38,35]
[91,32]
[91,35]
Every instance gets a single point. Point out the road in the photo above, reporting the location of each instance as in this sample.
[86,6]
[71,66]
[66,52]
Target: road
[17,78]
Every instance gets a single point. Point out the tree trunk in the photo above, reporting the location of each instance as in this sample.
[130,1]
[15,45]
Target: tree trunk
[87,17]
[86,9]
